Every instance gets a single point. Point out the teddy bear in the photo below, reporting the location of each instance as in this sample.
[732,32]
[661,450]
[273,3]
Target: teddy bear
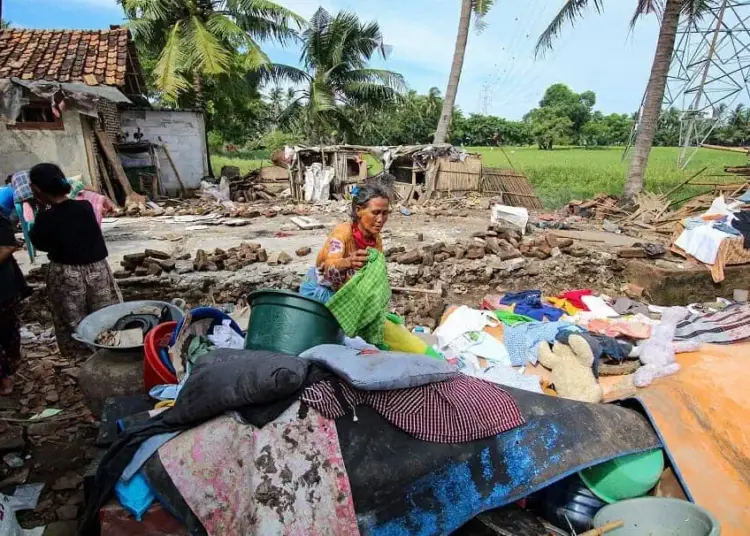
[571,369]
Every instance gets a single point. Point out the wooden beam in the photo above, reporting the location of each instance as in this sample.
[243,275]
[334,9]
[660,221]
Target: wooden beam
[111,155]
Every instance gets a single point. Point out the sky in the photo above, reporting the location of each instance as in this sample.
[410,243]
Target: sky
[500,75]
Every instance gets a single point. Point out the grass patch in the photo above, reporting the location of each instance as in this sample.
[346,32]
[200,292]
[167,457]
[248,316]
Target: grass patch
[574,173]
[567,173]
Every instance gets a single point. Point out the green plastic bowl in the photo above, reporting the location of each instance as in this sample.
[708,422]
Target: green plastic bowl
[625,477]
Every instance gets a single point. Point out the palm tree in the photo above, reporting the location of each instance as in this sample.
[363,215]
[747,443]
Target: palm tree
[669,11]
[479,8]
[199,38]
[335,53]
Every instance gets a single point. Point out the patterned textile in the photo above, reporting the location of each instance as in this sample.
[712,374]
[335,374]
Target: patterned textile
[453,411]
[75,292]
[523,340]
[10,339]
[731,252]
[287,478]
[361,305]
[724,327]
[338,247]
[21,187]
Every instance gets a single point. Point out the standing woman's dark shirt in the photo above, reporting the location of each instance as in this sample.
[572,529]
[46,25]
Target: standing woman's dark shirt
[69,233]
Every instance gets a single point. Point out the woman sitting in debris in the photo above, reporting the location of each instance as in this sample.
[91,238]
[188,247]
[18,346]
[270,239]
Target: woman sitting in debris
[79,280]
[12,289]
[345,250]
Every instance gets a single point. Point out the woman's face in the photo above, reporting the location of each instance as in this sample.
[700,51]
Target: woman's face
[373,216]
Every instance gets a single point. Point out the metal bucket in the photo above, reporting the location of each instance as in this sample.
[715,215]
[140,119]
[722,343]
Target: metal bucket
[91,326]
[658,515]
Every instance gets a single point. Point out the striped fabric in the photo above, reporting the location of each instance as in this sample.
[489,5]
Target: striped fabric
[453,411]
[724,327]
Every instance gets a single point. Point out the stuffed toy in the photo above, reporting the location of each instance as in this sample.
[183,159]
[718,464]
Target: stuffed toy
[571,369]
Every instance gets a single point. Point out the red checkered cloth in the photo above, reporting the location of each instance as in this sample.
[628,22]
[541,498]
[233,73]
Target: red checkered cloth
[453,411]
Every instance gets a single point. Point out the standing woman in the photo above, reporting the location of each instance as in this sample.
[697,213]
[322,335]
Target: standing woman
[12,290]
[79,280]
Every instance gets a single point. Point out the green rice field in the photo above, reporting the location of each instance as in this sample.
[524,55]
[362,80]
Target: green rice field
[567,173]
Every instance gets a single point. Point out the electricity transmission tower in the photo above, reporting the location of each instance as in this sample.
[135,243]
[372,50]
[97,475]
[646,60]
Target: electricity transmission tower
[485,98]
[709,73]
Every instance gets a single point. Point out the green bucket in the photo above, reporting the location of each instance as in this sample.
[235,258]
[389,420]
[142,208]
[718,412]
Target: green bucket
[285,322]
[625,477]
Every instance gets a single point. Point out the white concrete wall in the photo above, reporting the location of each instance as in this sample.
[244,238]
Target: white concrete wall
[23,149]
[185,135]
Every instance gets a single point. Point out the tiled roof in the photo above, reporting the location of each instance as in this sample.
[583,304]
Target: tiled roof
[65,55]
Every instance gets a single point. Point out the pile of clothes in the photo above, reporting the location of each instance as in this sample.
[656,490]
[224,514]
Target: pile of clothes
[242,405]
[717,238]
[576,336]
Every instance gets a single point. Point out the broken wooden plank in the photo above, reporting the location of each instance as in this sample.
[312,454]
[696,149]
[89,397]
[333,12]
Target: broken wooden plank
[174,167]
[610,239]
[305,223]
[437,291]
[111,155]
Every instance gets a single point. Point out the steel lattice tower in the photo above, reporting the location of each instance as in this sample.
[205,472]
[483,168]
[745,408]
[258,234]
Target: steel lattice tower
[709,73]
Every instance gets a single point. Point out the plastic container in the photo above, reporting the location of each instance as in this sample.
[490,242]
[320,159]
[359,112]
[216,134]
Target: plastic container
[568,500]
[398,338]
[656,516]
[201,313]
[91,326]
[625,477]
[155,372]
[285,322]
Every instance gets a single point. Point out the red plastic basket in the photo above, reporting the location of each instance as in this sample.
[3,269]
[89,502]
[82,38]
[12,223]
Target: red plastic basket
[154,371]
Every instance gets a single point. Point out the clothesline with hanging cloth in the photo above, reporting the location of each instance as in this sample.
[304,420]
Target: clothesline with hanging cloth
[361,305]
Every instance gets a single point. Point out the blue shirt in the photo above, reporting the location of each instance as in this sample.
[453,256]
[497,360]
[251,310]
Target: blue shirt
[6,200]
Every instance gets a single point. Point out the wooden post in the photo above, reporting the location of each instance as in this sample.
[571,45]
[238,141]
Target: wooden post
[109,190]
[88,141]
[174,166]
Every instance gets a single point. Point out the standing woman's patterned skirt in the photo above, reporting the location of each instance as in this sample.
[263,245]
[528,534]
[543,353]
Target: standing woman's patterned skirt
[74,292]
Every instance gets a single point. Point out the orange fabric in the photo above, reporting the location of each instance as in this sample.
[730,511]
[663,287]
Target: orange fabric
[338,246]
[702,414]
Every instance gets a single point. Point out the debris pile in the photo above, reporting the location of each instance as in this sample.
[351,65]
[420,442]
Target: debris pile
[44,428]
[155,263]
[503,244]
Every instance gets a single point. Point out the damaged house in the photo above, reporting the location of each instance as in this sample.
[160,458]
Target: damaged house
[76,98]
